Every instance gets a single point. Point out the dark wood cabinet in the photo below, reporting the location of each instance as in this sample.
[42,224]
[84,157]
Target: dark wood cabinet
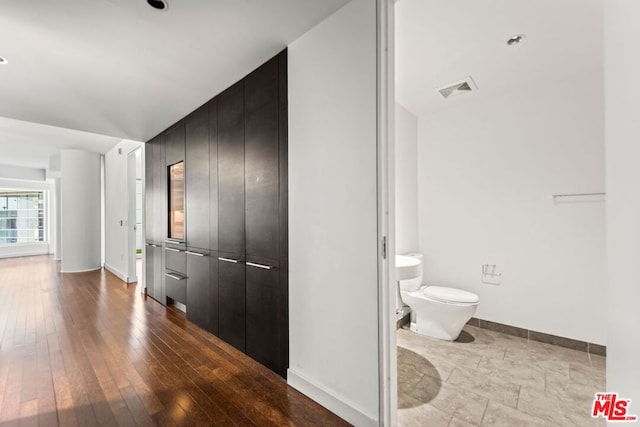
[198,288]
[266,204]
[149,191]
[231,300]
[197,179]
[175,258]
[154,218]
[213,175]
[176,286]
[174,140]
[154,271]
[159,189]
[267,341]
[231,207]
[262,161]
[231,268]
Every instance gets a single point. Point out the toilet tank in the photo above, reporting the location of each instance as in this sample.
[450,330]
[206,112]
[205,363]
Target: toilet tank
[414,283]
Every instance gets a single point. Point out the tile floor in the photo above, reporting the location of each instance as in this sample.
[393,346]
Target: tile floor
[489,378]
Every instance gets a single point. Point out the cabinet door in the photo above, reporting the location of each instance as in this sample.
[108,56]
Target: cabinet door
[149,277]
[267,338]
[213,295]
[198,298]
[176,287]
[213,173]
[231,303]
[197,178]
[231,207]
[159,190]
[148,190]
[154,272]
[174,139]
[159,277]
[261,161]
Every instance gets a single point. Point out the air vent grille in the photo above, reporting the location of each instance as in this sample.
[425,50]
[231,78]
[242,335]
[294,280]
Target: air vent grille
[465,86]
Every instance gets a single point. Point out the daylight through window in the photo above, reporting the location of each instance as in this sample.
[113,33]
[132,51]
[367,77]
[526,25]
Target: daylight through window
[21,216]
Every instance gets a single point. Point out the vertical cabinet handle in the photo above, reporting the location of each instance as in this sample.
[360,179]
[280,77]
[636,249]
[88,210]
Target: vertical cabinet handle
[234,261]
[265,267]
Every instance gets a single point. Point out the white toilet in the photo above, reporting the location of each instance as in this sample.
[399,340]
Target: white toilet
[436,311]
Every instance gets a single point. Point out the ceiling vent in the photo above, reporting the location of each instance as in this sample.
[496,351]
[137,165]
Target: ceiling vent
[465,86]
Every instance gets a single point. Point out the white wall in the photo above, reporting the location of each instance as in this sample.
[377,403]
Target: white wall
[406,176]
[80,210]
[333,288]
[622,66]
[116,190]
[22,173]
[487,171]
[56,232]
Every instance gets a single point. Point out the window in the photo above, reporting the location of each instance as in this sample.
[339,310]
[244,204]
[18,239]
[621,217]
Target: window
[21,216]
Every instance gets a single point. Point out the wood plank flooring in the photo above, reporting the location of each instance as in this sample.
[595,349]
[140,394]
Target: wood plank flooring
[83,349]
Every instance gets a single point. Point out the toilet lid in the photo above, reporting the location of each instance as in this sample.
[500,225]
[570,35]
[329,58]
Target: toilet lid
[442,293]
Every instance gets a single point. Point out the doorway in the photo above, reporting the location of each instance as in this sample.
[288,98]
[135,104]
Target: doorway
[135,214]
[493,173]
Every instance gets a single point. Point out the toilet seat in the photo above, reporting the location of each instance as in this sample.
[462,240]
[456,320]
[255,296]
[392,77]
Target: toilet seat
[449,295]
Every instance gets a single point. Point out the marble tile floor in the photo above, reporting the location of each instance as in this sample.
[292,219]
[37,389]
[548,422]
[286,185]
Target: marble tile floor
[492,379]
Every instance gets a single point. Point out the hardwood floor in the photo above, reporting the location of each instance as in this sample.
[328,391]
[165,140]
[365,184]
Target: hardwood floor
[83,349]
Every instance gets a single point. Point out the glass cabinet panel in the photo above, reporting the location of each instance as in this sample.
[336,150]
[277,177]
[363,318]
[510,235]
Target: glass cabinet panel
[176,201]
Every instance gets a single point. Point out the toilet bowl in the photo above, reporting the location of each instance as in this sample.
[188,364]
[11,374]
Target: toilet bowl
[437,311]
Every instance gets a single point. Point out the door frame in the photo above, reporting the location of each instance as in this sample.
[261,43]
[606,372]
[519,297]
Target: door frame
[388,382]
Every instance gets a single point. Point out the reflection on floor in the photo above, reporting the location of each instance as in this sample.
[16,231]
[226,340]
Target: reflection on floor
[83,349]
[493,379]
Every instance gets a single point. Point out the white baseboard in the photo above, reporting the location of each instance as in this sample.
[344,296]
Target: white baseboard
[120,275]
[326,398]
[80,271]
[22,250]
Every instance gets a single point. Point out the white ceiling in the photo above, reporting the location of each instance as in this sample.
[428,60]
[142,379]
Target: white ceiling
[31,144]
[122,69]
[440,42]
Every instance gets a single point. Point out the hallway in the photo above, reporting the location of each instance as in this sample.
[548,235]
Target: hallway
[83,349]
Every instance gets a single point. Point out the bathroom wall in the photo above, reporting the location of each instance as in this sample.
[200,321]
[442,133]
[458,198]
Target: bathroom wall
[622,66]
[406,166]
[487,170]
[333,262]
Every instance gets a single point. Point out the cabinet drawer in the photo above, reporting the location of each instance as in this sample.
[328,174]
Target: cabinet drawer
[175,259]
[176,286]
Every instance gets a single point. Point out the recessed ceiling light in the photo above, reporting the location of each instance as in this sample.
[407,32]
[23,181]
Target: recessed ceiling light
[158,4]
[515,39]
[3,60]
